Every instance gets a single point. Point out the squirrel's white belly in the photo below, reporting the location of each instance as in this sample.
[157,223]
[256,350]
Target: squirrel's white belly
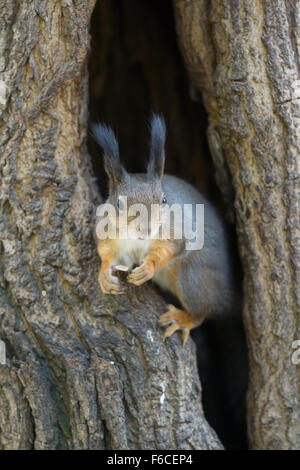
[133,251]
[162,279]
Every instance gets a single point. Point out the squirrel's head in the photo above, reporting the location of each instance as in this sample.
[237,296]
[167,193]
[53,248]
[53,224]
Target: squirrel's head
[126,190]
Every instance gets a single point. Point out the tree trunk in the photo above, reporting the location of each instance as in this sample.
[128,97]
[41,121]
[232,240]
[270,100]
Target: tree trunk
[83,371]
[243,57]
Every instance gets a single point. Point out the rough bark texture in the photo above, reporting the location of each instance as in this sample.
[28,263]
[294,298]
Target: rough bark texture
[244,57]
[83,370]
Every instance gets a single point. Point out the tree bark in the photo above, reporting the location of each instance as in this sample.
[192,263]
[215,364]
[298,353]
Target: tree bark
[243,57]
[83,371]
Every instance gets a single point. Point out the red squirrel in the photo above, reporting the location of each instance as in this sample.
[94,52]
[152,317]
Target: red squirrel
[201,279]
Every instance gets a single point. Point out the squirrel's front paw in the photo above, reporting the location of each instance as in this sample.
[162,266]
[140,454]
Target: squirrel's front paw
[141,274]
[109,284]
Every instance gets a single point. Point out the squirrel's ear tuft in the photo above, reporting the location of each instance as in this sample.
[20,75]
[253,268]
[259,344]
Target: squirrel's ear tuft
[157,147]
[106,138]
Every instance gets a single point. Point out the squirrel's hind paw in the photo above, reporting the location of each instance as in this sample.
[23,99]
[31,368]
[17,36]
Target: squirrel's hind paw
[180,320]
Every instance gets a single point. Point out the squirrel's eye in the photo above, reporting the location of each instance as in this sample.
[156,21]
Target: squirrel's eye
[164,200]
[118,203]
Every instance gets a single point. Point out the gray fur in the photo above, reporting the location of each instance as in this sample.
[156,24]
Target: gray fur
[206,278]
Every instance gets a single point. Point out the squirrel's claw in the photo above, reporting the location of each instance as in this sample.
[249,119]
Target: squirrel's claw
[179,319]
[141,274]
[109,284]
